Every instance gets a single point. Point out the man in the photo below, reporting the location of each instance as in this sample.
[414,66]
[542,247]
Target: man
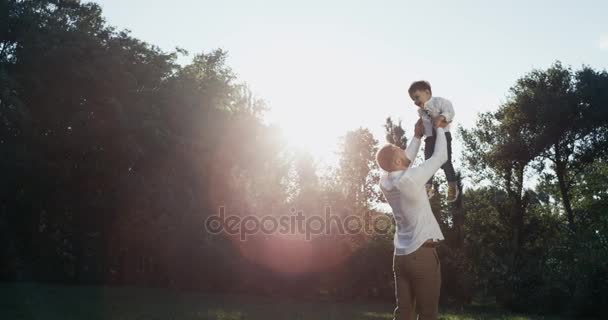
[415,261]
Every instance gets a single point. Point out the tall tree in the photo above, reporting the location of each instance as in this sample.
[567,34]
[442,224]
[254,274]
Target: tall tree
[564,118]
[498,151]
[356,169]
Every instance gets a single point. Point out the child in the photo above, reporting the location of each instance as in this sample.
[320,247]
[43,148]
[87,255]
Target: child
[430,109]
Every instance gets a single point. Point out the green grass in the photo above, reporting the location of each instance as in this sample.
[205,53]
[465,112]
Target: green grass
[34,301]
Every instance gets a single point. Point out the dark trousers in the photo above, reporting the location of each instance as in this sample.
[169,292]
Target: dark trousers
[429,148]
[417,285]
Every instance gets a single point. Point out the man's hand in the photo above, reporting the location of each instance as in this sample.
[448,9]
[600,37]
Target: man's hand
[440,122]
[419,129]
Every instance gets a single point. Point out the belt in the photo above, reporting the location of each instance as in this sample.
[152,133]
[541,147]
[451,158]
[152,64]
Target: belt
[430,244]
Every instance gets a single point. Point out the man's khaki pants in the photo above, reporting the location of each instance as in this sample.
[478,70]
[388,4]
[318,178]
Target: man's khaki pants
[417,284]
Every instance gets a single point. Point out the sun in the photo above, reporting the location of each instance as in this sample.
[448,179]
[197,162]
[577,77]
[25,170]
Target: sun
[313,93]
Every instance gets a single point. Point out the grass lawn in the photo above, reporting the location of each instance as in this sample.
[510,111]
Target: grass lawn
[34,301]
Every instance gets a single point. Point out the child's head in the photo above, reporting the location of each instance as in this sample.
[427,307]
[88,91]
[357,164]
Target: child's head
[420,92]
[392,158]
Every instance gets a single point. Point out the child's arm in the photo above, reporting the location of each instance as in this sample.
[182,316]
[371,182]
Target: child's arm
[446,109]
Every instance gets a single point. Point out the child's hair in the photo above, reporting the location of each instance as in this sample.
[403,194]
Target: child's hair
[420,85]
[385,157]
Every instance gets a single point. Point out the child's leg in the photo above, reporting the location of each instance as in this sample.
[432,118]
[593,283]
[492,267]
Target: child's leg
[429,148]
[447,167]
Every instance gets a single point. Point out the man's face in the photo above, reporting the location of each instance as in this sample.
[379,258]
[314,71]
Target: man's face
[401,162]
[420,97]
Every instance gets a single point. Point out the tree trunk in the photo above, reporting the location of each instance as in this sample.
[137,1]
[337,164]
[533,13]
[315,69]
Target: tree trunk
[560,172]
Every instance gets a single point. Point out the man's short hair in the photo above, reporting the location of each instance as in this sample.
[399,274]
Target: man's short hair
[420,85]
[385,156]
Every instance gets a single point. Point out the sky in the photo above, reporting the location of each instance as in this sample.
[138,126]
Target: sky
[326,67]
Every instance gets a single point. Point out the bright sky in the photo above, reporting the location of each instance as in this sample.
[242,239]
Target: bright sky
[325,67]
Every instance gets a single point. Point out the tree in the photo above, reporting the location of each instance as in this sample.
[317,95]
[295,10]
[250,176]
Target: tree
[563,113]
[395,133]
[356,169]
[499,151]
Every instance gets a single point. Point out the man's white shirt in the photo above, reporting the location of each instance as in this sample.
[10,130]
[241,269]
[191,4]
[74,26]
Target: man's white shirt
[434,107]
[406,193]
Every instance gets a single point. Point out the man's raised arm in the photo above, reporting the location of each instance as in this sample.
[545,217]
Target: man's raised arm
[422,173]
[412,148]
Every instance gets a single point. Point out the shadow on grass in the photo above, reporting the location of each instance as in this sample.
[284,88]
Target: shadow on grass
[35,301]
